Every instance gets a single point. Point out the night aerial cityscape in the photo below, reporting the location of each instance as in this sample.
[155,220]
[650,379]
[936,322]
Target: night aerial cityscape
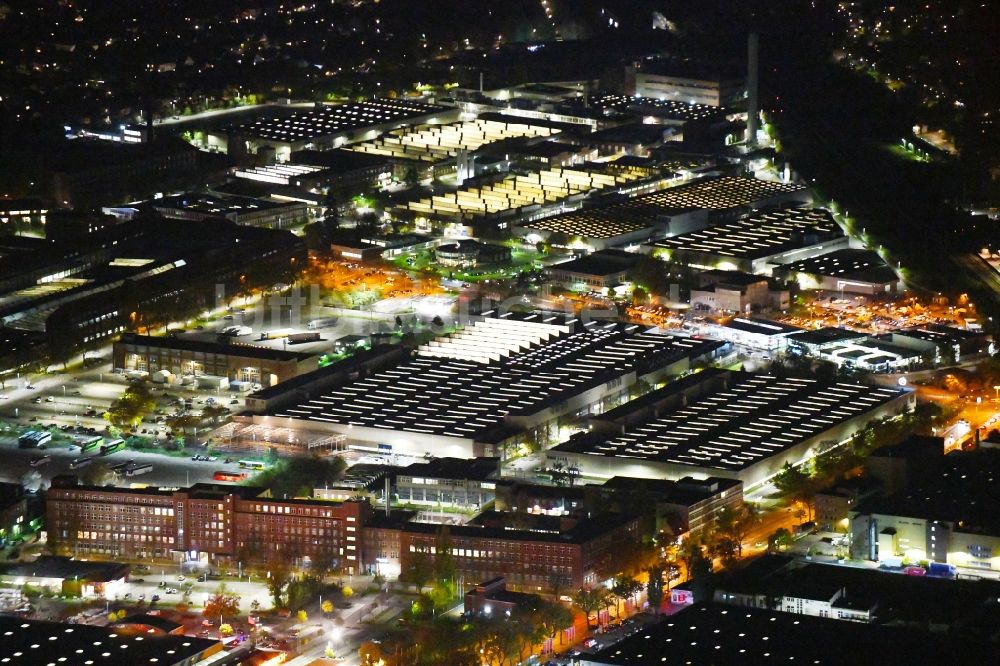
[499,332]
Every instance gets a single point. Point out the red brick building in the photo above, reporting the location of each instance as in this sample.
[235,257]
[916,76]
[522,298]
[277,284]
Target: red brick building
[226,525]
[530,560]
[207,523]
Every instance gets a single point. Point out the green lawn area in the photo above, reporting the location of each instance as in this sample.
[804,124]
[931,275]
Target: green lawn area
[521,260]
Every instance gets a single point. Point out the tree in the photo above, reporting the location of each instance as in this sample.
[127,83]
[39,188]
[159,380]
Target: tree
[222,604]
[129,410]
[278,578]
[625,588]
[97,474]
[734,524]
[796,484]
[590,600]
[780,539]
[654,588]
[553,617]
[418,570]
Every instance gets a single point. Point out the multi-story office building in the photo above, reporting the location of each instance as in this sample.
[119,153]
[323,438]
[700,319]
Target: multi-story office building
[204,523]
[532,560]
[227,525]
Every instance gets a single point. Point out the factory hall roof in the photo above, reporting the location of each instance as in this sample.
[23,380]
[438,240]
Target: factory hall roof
[759,234]
[751,418]
[328,119]
[465,384]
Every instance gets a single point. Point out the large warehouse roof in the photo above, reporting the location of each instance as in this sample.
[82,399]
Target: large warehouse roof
[466,384]
[759,234]
[752,418]
[848,263]
[433,143]
[326,120]
[542,187]
[718,634]
[644,211]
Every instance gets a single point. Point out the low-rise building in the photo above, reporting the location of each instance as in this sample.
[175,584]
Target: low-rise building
[451,482]
[604,269]
[688,506]
[491,598]
[852,270]
[718,633]
[756,242]
[752,333]
[247,211]
[66,576]
[182,357]
[942,513]
[731,291]
[89,644]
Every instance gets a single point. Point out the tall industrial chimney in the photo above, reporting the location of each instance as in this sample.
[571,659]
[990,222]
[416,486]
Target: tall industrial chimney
[753,100]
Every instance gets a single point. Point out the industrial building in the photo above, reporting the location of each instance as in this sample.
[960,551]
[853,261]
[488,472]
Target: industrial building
[735,425]
[682,209]
[756,242]
[439,142]
[753,334]
[936,508]
[245,211]
[472,393]
[520,194]
[39,643]
[180,359]
[325,127]
[544,556]
[855,271]
[598,271]
[730,635]
[684,82]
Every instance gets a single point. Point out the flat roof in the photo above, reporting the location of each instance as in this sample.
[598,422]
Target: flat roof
[969,604]
[478,469]
[718,634]
[466,384]
[825,335]
[759,234]
[514,191]
[960,487]
[686,491]
[439,142]
[940,334]
[671,109]
[759,326]
[223,349]
[215,203]
[580,532]
[48,566]
[644,211]
[849,264]
[753,417]
[326,120]
[38,643]
[603,263]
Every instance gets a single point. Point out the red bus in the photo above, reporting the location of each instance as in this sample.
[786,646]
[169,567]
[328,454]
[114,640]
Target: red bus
[234,477]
